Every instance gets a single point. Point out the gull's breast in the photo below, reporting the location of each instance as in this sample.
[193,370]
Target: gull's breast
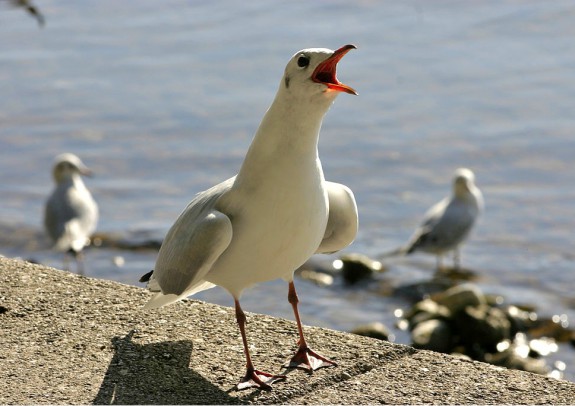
[276,228]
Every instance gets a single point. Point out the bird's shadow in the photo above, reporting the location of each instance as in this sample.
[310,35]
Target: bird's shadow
[157,373]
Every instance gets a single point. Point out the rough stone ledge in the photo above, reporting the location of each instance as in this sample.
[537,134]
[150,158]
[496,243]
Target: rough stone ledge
[68,339]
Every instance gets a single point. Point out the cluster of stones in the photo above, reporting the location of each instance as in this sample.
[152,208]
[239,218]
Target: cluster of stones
[465,322]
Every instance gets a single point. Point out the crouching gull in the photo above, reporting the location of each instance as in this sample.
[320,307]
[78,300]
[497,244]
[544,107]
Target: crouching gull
[447,224]
[272,216]
[70,214]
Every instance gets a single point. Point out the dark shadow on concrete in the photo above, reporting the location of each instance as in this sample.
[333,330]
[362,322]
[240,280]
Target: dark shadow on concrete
[156,373]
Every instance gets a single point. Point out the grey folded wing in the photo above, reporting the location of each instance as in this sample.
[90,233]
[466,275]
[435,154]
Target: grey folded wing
[193,244]
[444,230]
[342,222]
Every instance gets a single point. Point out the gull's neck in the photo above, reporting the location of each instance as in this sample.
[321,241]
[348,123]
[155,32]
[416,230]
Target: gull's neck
[289,132]
[74,180]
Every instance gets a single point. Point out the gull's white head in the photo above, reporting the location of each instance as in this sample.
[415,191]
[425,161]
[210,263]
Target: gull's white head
[67,165]
[463,182]
[312,72]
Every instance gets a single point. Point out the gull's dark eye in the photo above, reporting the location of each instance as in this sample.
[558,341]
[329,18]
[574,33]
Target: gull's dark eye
[302,61]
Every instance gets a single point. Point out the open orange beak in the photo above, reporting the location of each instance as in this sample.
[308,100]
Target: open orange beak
[325,72]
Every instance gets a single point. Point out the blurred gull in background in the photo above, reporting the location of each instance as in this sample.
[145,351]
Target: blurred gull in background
[447,224]
[71,214]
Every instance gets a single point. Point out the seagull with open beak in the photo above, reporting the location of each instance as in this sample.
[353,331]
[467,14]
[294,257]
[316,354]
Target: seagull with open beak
[266,221]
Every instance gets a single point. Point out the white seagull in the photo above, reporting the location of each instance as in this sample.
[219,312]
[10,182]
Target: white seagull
[71,214]
[272,216]
[447,224]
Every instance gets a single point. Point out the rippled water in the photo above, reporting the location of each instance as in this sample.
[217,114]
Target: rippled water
[161,100]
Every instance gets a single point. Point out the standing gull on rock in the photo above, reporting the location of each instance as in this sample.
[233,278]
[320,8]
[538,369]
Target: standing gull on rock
[272,216]
[71,214]
[447,224]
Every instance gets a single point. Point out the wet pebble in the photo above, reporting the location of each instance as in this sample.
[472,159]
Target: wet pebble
[459,297]
[357,267]
[483,325]
[134,241]
[374,330]
[520,320]
[418,291]
[319,278]
[432,335]
[509,359]
[424,310]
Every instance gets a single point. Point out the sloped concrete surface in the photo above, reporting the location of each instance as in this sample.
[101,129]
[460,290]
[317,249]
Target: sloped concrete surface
[67,339]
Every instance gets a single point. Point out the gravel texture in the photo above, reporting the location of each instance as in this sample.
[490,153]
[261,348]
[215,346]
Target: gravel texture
[68,339]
